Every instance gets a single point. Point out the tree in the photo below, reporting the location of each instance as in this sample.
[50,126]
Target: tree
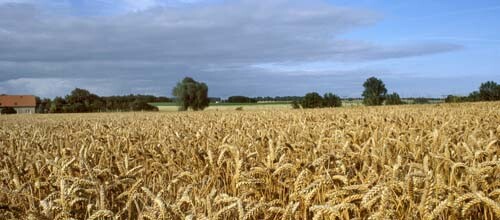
[375,91]
[191,94]
[43,106]
[474,97]
[295,104]
[8,111]
[81,100]
[393,99]
[331,100]
[38,108]
[312,100]
[57,105]
[128,103]
[140,105]
[489,91]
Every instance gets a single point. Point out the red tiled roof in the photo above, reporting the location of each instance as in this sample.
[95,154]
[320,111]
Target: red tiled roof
[17,101]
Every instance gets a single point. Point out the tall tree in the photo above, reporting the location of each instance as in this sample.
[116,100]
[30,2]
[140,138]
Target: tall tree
[191,94]
[81,100]
[489,91]
[375,91]
[57,105]
[39,107]
[43,106]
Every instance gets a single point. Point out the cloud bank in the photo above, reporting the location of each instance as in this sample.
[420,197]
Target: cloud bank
[149,46]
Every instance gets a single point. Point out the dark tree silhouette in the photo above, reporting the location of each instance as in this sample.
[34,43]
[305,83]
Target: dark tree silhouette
[312,100]
[489,91]
[8,111]
[331,100]
[375,91]
[191,94]
[393,99]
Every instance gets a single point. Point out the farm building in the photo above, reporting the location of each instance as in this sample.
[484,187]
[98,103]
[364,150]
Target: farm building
[23,104]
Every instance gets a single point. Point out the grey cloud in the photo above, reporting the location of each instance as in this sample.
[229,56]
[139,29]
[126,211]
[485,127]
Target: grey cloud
[241,32]
[216,42]
[251,82]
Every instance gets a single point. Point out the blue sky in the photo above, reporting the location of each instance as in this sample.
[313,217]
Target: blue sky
[247,47]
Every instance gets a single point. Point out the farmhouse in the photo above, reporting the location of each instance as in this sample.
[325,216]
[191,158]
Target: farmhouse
[23,104]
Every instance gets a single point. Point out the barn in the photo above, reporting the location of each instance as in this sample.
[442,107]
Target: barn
[23,104]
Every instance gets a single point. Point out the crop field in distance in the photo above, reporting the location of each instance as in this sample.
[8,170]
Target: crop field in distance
[437,161]
[172,106]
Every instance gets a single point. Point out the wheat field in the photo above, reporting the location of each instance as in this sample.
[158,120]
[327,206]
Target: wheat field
[405,162]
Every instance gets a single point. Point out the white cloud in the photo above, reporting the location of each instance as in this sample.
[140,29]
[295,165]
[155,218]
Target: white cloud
[51,87]
[47,87]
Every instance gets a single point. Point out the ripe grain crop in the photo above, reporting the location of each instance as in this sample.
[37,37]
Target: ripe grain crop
[404,162]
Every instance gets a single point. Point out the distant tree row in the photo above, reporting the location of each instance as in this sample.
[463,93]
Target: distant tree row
[375,93]
[246,99]
[488,91]
[278,98]
[193,95]
[81,100]
[314,100]
[241,99]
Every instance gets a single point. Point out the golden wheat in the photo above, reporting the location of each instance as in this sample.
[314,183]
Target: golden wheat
[402,162]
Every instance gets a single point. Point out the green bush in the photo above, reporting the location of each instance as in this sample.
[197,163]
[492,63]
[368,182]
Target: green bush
[331,100]
[8,111]
[393,99]
[312,100]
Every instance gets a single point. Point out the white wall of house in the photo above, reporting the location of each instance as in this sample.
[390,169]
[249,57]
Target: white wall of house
[25,110]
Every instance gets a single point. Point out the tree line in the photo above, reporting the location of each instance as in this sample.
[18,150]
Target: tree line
[81,100]
[245,99]
[488,91]
[375,93]
[191,94]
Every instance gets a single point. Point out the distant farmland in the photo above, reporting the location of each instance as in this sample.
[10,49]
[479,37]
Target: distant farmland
[172,106]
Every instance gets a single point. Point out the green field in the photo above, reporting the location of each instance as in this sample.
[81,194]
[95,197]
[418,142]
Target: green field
[172,106]
[223,104]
